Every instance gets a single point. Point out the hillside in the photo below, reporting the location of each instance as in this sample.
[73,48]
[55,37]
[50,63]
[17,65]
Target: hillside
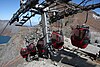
[10,30]
[93,20]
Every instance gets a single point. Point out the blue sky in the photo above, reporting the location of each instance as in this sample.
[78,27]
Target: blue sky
[9,7]
[91,2]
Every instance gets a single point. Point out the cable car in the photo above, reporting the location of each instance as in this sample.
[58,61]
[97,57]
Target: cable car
[40,47]
[24,52]
[80,36]
[57,40]
[28,51]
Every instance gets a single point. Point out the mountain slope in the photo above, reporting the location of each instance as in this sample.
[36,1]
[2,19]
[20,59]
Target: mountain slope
[10,29]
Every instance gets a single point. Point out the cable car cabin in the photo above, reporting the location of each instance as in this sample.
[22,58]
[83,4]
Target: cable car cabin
[57,40]
[40,46]
[24,52]
[80,37]
[30,49]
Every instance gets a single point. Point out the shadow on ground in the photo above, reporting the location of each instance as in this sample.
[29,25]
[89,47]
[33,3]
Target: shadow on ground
[72,59]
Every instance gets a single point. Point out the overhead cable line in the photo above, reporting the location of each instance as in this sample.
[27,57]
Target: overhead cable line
[86,2]
[81,3]
[30,23]
[86,17]
[4,29]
